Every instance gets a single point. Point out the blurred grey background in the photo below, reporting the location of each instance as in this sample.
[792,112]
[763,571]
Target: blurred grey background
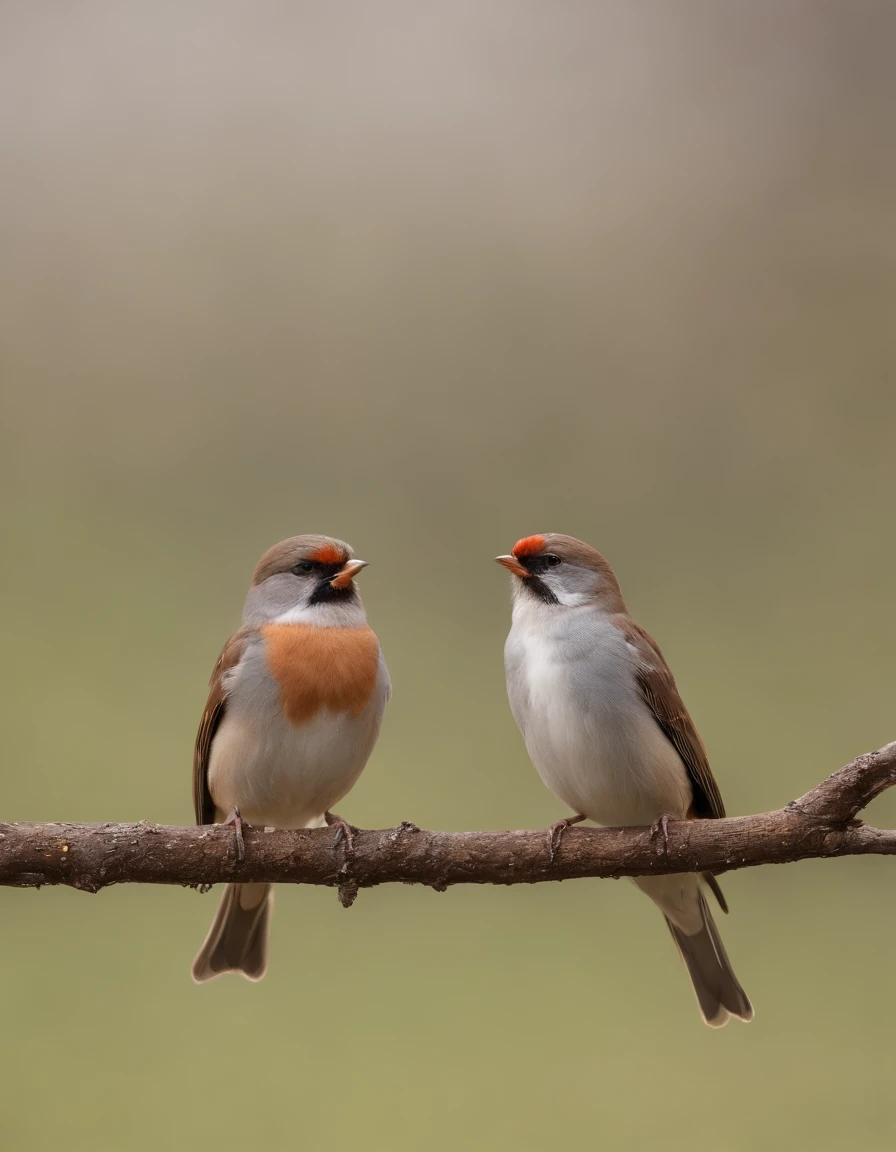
[431,278]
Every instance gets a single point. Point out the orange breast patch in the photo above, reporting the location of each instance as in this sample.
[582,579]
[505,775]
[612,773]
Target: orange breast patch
[316,668]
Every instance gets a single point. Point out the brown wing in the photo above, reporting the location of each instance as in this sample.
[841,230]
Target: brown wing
[203,805]
[660,691]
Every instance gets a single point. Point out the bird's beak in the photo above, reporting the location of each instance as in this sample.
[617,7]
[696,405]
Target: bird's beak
[512,565]
[347,573]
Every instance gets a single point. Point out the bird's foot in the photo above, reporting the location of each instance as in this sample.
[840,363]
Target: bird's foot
[659,829]
[556,831]
[234,820]
[344,831]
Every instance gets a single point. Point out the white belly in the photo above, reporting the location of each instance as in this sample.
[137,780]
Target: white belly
[283,776]
[590,735]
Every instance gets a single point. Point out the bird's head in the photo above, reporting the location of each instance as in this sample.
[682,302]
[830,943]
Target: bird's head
[560,571]
[306,579]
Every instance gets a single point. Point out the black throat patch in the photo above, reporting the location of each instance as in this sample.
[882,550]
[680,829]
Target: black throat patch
[533,583]
[325,593]
[537,588]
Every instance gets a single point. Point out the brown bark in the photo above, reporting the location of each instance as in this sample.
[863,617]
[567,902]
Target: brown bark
[90,856]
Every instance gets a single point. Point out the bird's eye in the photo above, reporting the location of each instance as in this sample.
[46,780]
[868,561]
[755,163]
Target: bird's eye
[302,567]
[551,560]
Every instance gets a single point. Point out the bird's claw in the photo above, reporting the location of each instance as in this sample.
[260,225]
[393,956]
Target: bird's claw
[344,831]
[556,833]
[659,829]
[555,837]
[234,820]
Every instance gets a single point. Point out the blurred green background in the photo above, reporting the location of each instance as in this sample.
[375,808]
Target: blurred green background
[430,278]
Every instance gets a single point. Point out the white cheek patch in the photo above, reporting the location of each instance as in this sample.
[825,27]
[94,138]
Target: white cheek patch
[569,599]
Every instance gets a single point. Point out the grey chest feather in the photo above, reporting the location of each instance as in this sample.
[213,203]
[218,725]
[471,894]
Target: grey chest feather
[589,732]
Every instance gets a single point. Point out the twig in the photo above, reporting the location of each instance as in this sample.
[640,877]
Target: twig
[91,856]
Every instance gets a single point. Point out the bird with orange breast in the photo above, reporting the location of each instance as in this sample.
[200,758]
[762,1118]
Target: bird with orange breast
[293,713]
[609,734]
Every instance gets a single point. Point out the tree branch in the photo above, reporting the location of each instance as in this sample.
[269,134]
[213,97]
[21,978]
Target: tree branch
[90,856]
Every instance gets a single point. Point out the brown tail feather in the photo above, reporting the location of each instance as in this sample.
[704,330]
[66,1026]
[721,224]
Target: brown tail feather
[719,994]
[713,886]
[238,938]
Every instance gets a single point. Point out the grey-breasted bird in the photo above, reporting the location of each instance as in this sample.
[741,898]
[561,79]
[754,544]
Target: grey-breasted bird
[609,734]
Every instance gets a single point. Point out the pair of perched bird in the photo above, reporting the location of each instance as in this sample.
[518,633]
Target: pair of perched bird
[298,694]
